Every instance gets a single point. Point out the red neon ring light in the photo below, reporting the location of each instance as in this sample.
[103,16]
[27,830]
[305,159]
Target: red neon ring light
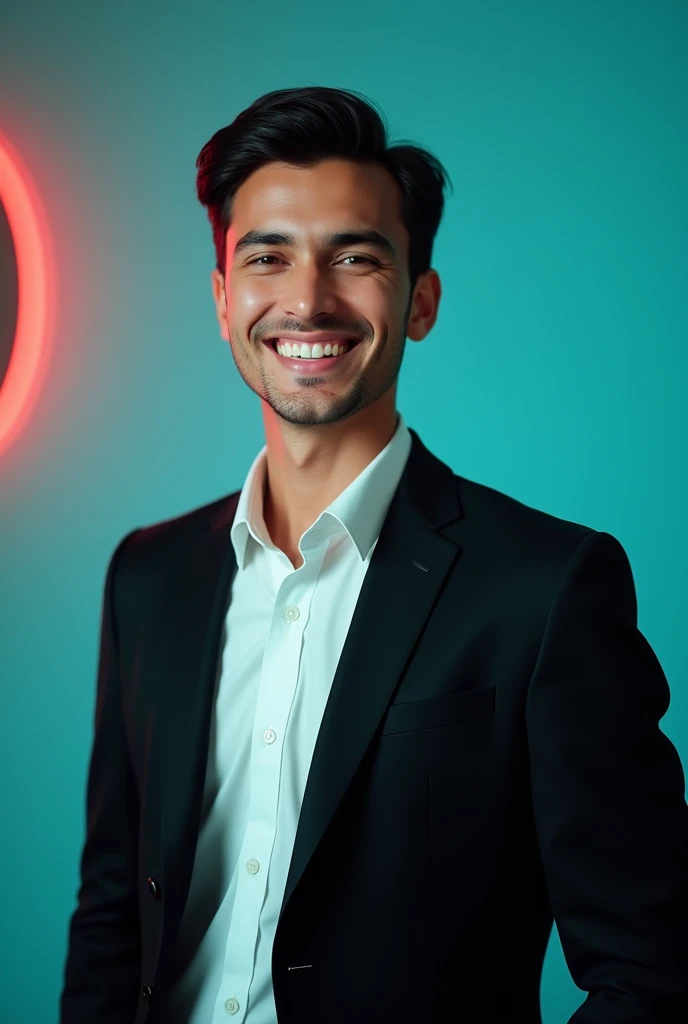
[35,293]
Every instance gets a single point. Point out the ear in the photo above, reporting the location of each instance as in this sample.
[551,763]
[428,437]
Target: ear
[425,306]
[218,285]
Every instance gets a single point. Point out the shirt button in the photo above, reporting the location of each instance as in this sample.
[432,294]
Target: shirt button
[252,866]
[232,1005]
[269,735]
[292,614]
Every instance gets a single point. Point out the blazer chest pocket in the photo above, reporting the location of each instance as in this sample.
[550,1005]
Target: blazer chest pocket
[443,710]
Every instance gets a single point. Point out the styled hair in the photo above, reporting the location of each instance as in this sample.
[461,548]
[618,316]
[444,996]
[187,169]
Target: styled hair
[304,126]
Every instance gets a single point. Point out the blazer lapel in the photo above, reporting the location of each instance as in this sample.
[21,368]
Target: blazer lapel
[405,575]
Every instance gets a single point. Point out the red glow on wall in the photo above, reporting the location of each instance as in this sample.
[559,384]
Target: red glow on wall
[36,294]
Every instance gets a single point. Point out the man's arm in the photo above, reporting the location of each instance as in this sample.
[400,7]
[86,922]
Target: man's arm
[101,976]
[609,797]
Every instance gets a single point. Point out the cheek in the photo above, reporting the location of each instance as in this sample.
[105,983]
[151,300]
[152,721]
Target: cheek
[246,304]
[377,303]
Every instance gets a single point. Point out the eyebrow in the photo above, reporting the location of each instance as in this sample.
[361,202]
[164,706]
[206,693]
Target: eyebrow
[355,236]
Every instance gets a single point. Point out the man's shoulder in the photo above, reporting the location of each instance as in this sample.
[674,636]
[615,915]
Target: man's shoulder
[163,539]
[517,553]
[508,525]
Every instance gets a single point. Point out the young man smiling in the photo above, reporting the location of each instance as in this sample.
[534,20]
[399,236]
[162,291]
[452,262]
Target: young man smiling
[365,728]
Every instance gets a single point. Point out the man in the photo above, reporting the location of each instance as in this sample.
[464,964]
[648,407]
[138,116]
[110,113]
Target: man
[365,728]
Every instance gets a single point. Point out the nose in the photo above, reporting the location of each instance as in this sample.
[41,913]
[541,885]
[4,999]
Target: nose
[308,292]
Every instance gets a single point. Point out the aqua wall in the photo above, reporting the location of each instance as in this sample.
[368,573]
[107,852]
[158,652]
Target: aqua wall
[556,371]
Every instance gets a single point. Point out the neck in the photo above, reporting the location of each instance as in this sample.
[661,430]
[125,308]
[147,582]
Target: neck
[309,466]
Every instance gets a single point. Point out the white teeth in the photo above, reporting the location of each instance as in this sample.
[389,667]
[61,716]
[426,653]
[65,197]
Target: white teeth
[317,351]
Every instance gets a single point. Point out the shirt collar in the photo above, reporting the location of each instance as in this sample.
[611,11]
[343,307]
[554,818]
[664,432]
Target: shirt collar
[359,510]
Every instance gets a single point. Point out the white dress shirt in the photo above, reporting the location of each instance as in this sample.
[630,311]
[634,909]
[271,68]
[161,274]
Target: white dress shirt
[284,633]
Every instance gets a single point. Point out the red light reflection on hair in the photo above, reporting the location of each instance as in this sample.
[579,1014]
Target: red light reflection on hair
[35,298]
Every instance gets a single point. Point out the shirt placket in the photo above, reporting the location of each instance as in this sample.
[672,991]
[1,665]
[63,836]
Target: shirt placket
[277,690]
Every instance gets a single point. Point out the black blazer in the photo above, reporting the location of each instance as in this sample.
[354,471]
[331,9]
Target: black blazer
[489,759]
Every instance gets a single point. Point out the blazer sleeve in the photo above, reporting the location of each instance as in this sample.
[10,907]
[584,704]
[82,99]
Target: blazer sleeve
[608,793]
[101,973]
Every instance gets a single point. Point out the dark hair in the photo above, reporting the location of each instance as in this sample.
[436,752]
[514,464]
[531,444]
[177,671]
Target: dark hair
[304,126]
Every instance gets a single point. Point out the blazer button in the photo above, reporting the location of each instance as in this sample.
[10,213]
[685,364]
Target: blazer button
[154,889]
[146,992]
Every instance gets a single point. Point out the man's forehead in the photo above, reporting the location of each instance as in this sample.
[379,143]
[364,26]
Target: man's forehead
[337,191]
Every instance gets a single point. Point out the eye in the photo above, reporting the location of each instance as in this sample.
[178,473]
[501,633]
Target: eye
[365,259]
[259,258]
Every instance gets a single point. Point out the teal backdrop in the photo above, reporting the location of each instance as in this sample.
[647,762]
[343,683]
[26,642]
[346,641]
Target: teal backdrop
[556,371]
